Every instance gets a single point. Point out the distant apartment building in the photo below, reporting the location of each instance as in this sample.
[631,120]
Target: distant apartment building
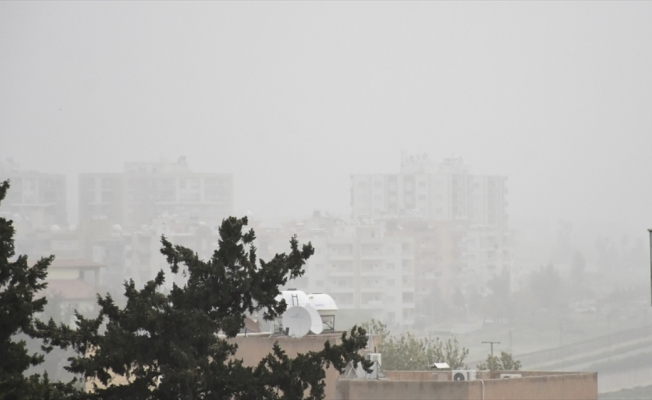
[456,220]
[423,189]
[145,191]
[438,260]
[36,200]
[365,270]
[486,252]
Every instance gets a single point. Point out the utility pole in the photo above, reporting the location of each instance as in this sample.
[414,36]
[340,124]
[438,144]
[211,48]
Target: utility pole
[650,231]
[492,347]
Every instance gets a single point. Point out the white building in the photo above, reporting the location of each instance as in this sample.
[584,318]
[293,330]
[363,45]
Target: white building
[365,270]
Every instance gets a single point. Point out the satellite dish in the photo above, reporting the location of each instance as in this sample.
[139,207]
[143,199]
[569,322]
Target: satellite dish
[297,321]
[317,325]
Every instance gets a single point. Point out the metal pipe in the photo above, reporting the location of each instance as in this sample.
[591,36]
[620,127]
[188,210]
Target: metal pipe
[482,388]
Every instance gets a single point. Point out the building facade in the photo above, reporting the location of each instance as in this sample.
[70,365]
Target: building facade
[36,200]
[368,272]
[145,191]
[423,189]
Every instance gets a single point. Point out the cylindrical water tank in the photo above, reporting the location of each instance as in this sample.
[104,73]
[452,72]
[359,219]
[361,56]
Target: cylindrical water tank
[293,297]
[323,303]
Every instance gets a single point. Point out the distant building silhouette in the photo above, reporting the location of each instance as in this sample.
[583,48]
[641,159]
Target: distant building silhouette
[145,191]
[35,200]
[423,189]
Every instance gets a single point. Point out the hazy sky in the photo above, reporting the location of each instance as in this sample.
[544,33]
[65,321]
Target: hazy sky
[293,97]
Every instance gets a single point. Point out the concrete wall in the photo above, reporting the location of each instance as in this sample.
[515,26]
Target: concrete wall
[581,386]
[404,390]
[252,349]
[568,386]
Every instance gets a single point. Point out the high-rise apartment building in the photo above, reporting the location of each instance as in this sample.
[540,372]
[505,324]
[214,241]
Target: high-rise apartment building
[423,189]
[366,271]
[145,191]
[456,220]
[34,197]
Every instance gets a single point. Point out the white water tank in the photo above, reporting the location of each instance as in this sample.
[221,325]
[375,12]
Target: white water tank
[293,297]
[323,303]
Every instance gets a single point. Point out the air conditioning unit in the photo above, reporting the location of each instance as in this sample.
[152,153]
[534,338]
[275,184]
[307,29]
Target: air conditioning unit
[463,375]
[374,357]
[510,376]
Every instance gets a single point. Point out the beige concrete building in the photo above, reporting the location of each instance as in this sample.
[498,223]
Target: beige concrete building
[424,385]
[35,200]
[418,385]
[145,191]
[423,189]
[364,269]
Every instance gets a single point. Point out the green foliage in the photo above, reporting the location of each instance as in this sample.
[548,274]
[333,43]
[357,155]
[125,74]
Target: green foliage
[19,285]
[407,352]
[166,343]
[377,329]
[503,363]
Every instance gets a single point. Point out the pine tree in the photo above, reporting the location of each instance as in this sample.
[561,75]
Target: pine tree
[19,285]
[166,344]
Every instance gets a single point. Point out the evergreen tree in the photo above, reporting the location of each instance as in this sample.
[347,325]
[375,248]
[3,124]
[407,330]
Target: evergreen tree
[166,345]
[19,285]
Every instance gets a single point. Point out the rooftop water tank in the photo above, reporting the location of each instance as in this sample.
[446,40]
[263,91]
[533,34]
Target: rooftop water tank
[293,297]
[323,303]
[326,307]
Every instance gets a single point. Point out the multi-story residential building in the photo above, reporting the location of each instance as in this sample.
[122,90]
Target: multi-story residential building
[35,200]
[145,191]
[426,190]
[486,252]
[457,220]
[438,259]
[365,270]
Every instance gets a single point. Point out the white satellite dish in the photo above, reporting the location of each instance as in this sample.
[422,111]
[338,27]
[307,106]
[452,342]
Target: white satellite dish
[317,325]
[297,321]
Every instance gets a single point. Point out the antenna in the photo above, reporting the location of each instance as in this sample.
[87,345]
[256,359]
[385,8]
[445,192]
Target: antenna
[317,325]
[297,321]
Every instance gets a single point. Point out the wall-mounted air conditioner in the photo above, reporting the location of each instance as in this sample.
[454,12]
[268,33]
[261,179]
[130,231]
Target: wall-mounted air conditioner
[463,375]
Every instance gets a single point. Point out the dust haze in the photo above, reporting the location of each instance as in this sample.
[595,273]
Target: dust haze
[296,99]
